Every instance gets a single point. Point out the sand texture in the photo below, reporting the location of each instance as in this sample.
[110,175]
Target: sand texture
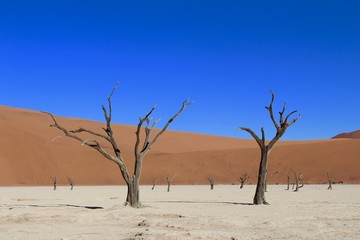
[31,152]
[186,212]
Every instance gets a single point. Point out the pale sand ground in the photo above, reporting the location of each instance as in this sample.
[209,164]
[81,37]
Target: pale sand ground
[187,212]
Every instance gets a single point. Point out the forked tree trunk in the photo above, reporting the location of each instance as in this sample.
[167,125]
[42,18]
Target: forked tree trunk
[169,180]
[298,181]
[142,146]
[266,146]
[259,197]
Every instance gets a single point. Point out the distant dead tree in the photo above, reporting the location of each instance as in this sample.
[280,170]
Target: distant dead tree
[211,181]
[71,182]
[330,180]
[169,180]
[154,180]
[298,180]
[54,179]
[243,178]
[266,146]
[268,177]
[288,177]
[140,150]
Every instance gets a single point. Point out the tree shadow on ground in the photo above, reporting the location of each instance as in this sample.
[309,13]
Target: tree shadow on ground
[10,207]
[204,202]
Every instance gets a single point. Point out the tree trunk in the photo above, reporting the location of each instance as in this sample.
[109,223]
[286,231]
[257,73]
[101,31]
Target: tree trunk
[132,198]
[259,197]
[288,182]
[241,185]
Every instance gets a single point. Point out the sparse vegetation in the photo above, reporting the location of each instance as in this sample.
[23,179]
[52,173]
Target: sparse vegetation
[298,180]
[71,182]
[54,180]
[243,178]
[330,180]
[211,180]
[169,179]
[154,180]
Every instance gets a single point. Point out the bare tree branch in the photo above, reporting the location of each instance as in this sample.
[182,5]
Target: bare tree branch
[80,130]
[253,134]
[270,109]
[185,104]
[132,181]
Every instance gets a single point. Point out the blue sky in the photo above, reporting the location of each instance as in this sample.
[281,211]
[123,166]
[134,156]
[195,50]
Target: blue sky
[65,57]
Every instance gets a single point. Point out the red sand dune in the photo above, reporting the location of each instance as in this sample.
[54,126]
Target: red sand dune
[352,135]
[31,152]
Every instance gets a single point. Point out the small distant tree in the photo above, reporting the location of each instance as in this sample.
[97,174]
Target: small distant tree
[71,182]
[288,177]
[330,180]
[54,179]
[266,146]
[268,177]
[243,178]
[298,180]
[141,149]
[211,181]
[169,179]
[154,180]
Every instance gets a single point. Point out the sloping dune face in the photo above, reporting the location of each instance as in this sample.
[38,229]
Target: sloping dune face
[352,135]
[31,153]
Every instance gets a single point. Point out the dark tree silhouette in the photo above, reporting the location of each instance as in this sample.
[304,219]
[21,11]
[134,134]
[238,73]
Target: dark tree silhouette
[242,179]
[211,181]
[266,146]
[141,148]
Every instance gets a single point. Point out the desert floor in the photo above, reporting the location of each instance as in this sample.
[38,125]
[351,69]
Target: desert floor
[186,212]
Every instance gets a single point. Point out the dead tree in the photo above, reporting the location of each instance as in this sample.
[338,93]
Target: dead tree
[330,180]
[71,182]
[242,179]
[268,177]
[288,181]
[169,180]
[154,180]
[54,182]
[298,180]
[141,148]
[211,181]
[266,146]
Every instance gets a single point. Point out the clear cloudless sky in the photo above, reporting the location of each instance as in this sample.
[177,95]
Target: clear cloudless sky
[65,56]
